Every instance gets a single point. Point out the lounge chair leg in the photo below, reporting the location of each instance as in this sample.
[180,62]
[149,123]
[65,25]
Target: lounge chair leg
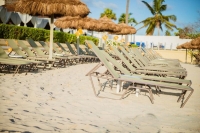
[111,84]
[181,96]
[183,104]
[16,70]
[119,84]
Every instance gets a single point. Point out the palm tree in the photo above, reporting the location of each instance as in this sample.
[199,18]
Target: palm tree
[158,18]
[122,18]
[167,33]
[127,8]
[109,13]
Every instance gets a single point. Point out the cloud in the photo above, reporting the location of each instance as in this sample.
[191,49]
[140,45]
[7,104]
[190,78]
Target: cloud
[100,4]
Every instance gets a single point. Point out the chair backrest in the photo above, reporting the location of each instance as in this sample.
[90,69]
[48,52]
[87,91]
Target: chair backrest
[63,49]
[70,48]
[56,49]
[35,47]
[89,52]
[15,47]
[139,56]
[25,48]
[115,63]
[126,62]
[3,53]
[44,45]
[80,49]
[131,58]
[102,58]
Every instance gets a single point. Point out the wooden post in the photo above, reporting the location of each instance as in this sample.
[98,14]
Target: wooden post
[51,37]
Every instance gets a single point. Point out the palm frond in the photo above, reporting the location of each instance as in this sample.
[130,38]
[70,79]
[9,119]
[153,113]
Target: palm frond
[150,29]
[172,17]
[149,7]
[163,8]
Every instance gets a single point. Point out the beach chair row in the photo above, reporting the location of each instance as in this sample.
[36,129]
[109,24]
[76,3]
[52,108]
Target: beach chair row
[29,55]
[133,72]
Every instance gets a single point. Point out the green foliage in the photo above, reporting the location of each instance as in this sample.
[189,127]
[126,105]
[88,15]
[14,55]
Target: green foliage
[116,43]
[134,45]
[37,34]
[187,33]
[122,18]
[109,13]
[191,53]
[167,33]
[158,19]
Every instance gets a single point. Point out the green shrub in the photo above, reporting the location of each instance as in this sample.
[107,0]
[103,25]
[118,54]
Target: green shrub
[38,34]
[133,45]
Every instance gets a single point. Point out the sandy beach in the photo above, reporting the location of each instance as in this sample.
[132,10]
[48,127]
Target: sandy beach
[175,54]
[62,100]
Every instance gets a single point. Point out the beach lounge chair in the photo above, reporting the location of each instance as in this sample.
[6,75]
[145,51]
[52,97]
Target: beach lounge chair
[160,63]
[152,70]
[82,53]
[137,81]
[13,44]
[7,62]
[143,61]
[59,53]
[62,60]
[153,57]
[31,55]
[84,58]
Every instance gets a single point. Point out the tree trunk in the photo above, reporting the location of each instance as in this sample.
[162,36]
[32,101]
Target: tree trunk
[158,26]
[127,8]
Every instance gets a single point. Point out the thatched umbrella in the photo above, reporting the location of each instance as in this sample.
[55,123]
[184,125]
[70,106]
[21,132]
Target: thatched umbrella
[107,25]
[125,29]
[188,45]
[77,23]
[179,47]
[49,8]
[196,42]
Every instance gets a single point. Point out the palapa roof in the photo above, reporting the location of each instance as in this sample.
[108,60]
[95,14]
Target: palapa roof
[196,42]
[57,8]
[103,24]
[125,29]
[76,23]
[107,25]
[187,45]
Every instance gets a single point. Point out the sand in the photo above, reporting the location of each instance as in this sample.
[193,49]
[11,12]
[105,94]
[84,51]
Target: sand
[176,54]
[62,100]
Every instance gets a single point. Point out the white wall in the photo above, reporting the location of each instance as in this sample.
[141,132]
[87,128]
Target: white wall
[170,42]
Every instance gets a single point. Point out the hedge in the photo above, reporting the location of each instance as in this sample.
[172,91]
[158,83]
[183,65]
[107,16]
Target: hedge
[18,32]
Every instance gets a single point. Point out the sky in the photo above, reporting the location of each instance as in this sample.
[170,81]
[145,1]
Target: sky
[186,11]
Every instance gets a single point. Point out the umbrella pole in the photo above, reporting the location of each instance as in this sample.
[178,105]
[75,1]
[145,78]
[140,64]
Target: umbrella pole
[78,45]
[51,37]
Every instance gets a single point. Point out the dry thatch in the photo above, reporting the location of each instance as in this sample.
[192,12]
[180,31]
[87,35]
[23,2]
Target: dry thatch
[10,4]
[106,24]
[76,23]
[57,8]
[196,42]
[187,45]
[179,47]
[125,29]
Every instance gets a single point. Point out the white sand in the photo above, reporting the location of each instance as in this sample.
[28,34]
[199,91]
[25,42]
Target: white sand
[175,54]
[62,100]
